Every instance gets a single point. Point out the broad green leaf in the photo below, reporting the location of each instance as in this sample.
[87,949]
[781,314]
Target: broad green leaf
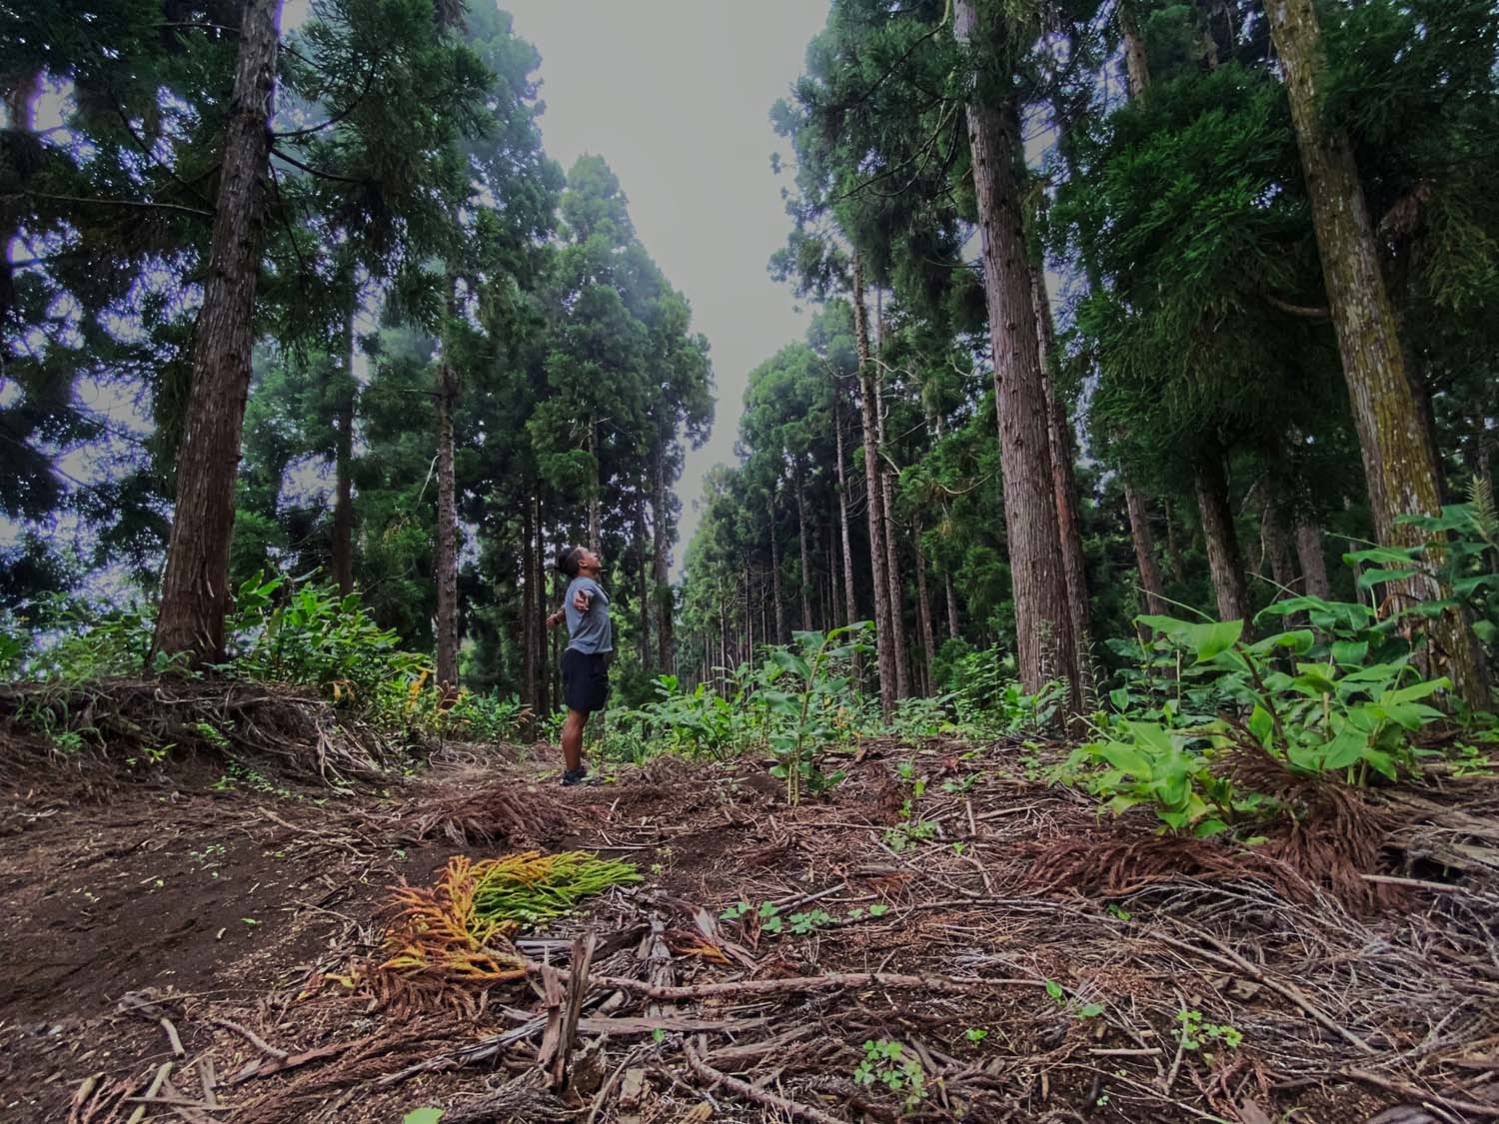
[1261,725]
[1207,640]
[1348,652]
[1314,681]
[1166,626]
[1349,746]
[1420,690]
[1385,555]
[1299,640]
[423,1116]
[1125,758]
[1378,575]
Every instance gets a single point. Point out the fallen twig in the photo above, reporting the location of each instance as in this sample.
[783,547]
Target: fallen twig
[1418,1094]
[251,1037]
[758,1096]
[833,982]
[162,1073]
[1232,959]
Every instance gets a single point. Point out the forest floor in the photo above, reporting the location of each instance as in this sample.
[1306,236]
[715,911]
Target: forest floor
[1034,963]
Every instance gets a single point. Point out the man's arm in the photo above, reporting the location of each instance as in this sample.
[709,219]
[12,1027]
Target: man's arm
[581,600]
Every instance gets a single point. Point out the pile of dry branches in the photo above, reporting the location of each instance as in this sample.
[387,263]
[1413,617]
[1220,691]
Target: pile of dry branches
[297,732]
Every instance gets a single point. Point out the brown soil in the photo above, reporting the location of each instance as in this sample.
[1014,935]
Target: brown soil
[172,901]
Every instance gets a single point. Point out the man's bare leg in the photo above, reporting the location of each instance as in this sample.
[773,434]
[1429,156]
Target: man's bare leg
[572,739]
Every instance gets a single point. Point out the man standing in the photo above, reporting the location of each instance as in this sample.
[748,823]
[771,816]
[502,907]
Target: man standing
[590,642]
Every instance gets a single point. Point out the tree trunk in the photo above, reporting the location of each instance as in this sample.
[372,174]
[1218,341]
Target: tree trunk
[1174,549]
[892,559]
[874,507]
[1224,559]
[528,611]
[1043,634]
[1275,542]
[924,616]
[665,602]
[644,640]
[544,693]
[20,100]
[595,496]
[850,601]
[1136,68]
[953,631]
[1313,563]
[1144,540]
[776,611]
[447,516]
[195,587]
[343,461]
[1400,464]
[801,531]
[1064,486]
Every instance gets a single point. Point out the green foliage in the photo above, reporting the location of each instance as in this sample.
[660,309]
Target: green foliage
[1337,696]
[65,640]
[894,1066]
[306,634]
[1460,552]
[1193,1033]
[804,701]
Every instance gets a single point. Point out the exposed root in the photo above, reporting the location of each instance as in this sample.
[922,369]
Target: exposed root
[301,734]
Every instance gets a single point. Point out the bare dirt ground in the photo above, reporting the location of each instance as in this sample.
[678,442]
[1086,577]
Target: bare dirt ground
[173,952]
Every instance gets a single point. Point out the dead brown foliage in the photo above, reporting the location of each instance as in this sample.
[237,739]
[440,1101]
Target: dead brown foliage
[469,810]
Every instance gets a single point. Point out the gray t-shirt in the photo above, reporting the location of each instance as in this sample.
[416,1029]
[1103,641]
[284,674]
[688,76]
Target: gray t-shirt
[588,631]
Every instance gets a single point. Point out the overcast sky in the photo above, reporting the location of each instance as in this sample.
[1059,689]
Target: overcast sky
[676,96]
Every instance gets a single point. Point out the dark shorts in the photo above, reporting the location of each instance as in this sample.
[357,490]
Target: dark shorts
[585,680]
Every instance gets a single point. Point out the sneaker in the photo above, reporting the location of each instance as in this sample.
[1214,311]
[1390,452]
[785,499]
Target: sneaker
[574,776]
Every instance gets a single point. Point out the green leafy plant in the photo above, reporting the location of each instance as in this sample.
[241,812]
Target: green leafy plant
[976,1035]
[804,923]
[1311,698]
[1193,1033]
[804,705]
[1071,1005]
[896,1067]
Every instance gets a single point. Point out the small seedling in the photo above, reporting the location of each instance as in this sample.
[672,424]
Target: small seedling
[1077,1010]
[658,1035]
[958,848]
[803,923]
[1194,1033]
[891,1064]
[1118,912]
[976,1035]
[878,910]
[735,911]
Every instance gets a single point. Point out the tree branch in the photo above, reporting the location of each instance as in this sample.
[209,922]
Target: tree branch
[1304,311]
[295,163]
[146,203]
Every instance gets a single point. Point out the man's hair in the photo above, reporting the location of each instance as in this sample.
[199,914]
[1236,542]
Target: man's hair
[567,559]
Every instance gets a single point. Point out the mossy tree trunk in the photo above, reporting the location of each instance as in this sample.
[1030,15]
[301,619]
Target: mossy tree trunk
[1400,463]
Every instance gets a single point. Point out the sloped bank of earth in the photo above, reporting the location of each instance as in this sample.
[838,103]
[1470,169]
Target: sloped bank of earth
[992,952]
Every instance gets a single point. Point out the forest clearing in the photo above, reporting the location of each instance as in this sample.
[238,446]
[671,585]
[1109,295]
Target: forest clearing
[1028,961]
[990,614]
